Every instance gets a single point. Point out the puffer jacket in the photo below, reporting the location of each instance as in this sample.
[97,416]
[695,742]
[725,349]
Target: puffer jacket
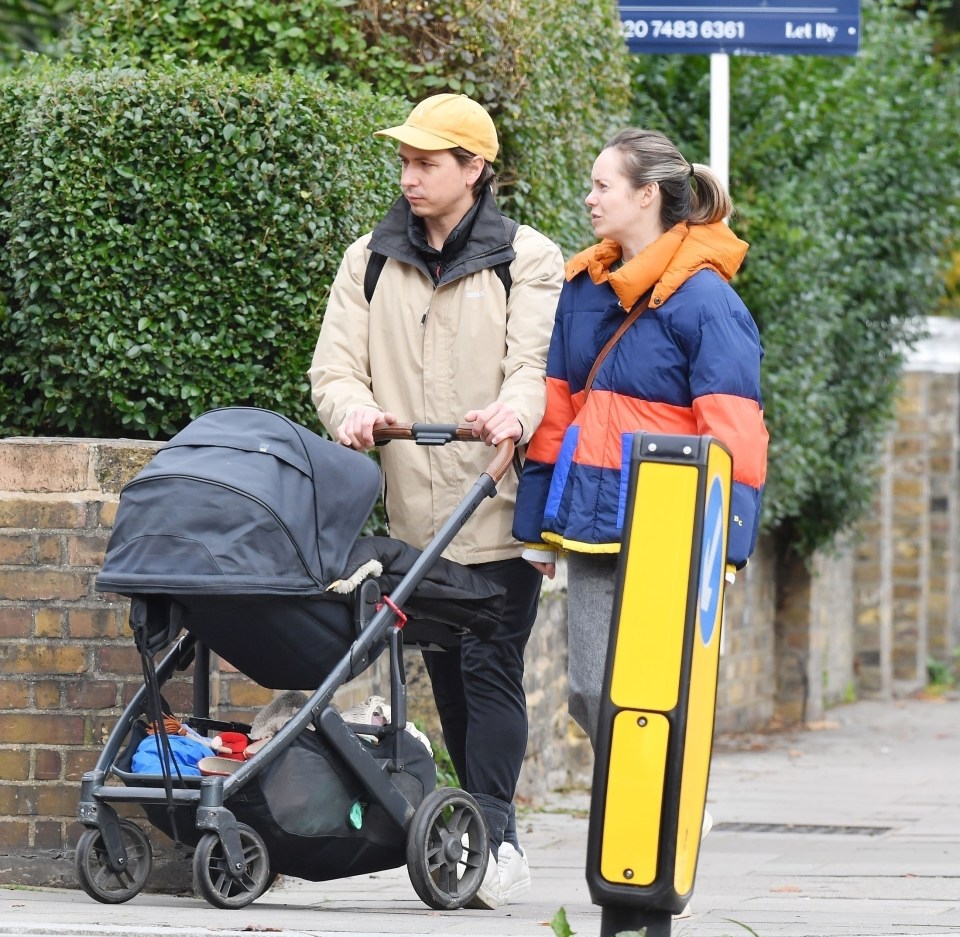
[690,364]
[430,353]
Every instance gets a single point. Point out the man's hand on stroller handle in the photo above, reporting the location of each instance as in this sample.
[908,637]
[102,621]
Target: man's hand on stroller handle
[356,430]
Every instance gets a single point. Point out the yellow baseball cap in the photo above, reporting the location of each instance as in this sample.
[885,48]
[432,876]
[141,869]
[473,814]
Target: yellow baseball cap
[444,121]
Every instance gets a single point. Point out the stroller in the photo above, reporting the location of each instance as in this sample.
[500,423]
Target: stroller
[242,537]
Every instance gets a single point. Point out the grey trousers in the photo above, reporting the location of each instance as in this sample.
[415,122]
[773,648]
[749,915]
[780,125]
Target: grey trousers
[591,580]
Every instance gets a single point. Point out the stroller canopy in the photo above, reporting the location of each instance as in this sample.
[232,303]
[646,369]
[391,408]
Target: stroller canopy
[242,501]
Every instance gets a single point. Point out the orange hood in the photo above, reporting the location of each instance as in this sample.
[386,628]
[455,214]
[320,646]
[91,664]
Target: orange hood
[666,264]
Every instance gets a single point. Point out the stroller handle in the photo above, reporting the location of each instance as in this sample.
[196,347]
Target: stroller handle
[439,434]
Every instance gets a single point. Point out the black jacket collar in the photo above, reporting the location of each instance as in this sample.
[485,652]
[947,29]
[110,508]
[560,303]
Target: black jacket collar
[479,241]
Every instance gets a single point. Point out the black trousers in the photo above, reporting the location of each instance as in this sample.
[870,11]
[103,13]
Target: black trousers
[480,698]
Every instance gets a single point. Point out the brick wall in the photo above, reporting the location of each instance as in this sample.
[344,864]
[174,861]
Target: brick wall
[745,690]
[69,664]
[907,551]
[833,607]
[943,525]
[63,670]
[873,586]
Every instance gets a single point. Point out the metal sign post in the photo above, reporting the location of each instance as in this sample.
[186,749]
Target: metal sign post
[720,117]
[656,722]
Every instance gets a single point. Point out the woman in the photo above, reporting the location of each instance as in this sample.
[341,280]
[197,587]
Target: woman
[689,364]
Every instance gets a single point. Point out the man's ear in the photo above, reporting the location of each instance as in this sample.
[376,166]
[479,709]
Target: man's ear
[476,167]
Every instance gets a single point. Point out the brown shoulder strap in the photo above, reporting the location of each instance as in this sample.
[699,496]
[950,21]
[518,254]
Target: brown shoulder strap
[632,317]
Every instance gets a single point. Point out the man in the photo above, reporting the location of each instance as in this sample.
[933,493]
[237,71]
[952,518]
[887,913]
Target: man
[443,315]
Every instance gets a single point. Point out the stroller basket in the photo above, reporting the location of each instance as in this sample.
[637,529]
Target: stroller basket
[312,813]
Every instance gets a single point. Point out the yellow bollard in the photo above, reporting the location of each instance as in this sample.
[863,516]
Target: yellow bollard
[656,722]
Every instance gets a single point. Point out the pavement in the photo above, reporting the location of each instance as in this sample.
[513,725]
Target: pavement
[846,828]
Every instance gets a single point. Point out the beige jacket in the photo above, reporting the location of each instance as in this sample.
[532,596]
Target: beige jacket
[429,355]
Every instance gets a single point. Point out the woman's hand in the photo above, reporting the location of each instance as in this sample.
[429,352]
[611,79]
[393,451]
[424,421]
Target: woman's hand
[546,569]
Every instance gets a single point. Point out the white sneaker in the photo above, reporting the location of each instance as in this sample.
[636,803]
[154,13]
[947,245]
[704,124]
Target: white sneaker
[514,873]
[487,897]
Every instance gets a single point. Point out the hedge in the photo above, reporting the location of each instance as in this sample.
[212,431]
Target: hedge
[552,73]
[176,195]
[169,237]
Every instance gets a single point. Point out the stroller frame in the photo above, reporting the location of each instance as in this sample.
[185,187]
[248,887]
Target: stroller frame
[447,830]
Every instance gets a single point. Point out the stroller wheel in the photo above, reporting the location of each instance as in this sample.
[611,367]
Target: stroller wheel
[99,879]
[211,874]
[447,846]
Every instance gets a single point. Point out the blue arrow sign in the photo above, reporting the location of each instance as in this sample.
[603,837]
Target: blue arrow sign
[712,561]
[774,27]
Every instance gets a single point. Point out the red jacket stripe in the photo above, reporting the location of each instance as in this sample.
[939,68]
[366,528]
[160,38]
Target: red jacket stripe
[738,423]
